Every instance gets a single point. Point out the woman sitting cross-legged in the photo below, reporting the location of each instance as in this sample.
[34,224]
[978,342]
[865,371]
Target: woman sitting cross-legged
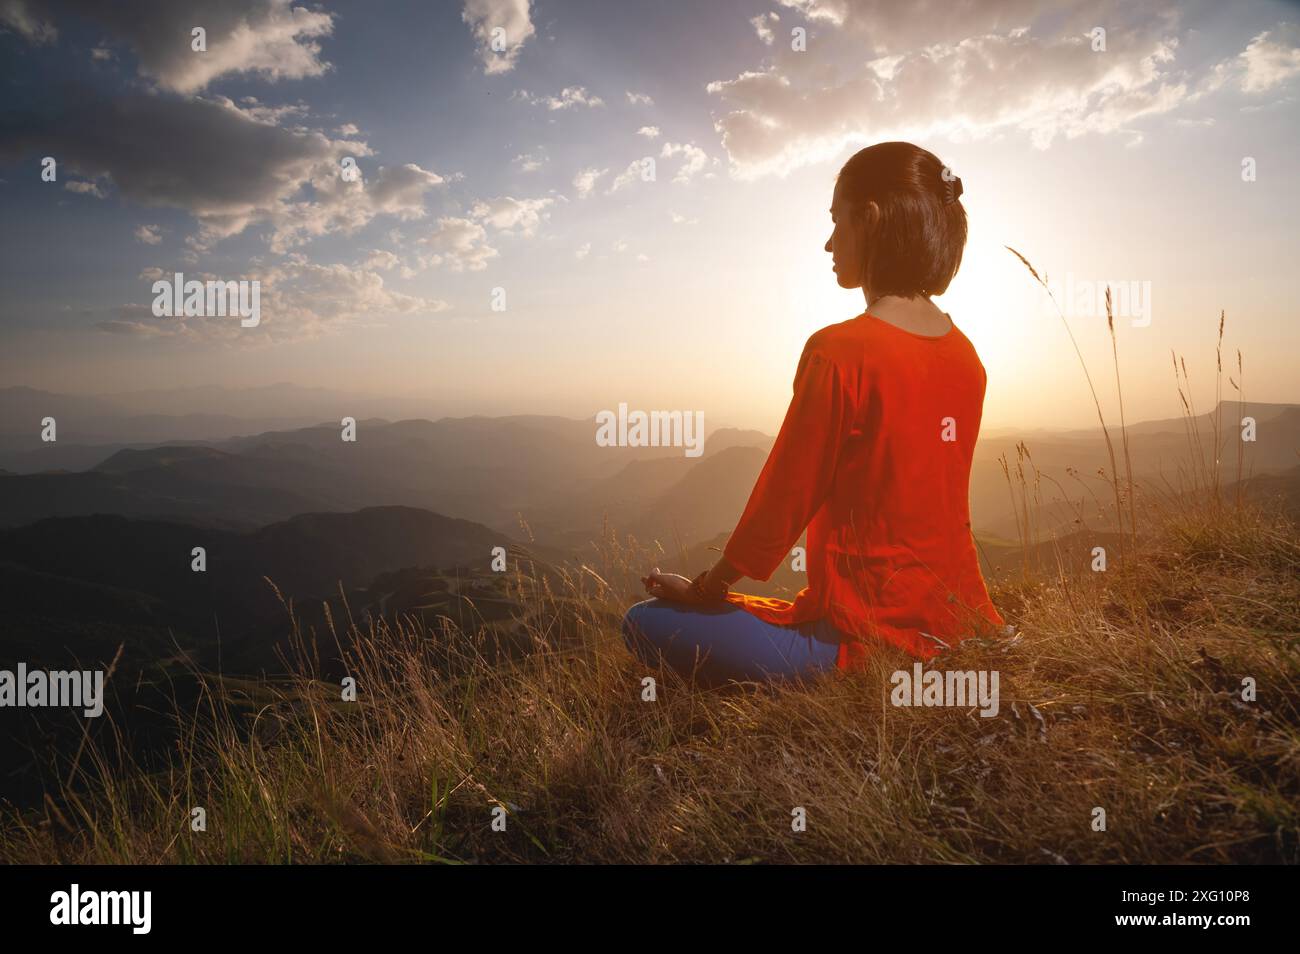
[873,459]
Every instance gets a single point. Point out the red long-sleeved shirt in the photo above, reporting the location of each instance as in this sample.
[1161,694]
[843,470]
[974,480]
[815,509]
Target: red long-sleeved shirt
[874,459]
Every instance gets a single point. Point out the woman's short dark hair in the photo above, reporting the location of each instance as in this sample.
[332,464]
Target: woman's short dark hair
[916,246]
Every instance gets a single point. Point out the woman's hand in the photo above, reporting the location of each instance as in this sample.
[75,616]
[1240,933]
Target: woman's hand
[669,586]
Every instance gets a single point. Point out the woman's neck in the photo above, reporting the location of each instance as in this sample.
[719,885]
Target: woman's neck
[918,315]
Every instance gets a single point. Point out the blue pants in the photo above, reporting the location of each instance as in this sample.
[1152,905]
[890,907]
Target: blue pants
[716,644]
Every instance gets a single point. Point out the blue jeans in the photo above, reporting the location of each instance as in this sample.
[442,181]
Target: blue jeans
[716,644]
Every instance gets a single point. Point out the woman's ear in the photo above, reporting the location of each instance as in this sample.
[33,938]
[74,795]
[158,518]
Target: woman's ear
[870,217]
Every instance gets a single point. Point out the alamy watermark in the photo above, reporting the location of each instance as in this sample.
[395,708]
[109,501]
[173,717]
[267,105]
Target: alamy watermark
[953,687]
[1085,298]
[651,429]
[211,299]
[75,906]
[38,689]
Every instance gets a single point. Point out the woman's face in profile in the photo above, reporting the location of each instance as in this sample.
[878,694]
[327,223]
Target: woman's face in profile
[845,243]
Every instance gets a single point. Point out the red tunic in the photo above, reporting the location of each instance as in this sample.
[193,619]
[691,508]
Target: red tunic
[874,459]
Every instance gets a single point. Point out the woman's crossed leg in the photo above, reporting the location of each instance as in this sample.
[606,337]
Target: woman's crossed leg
[717,644]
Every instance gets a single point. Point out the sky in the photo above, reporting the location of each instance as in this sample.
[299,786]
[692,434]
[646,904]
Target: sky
[505,245]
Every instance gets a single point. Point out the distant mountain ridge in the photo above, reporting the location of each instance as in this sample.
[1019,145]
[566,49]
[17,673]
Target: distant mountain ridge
[548,472]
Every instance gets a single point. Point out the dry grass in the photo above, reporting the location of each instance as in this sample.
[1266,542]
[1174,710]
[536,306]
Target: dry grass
[1121,691]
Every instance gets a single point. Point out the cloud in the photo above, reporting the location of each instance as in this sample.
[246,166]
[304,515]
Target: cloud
[136,329]
[530,161]
[399,190]
[380,260]
[763,24]
[207,157]
[582,251]
[271,38]
[633,173]
[992,74]
[585,180]
[886,26]
[1269,60]
[148,234]
[298,299]
[258,111]
[650,132]
[694,159]
[569,97]
[230,167]
[18,16]
[512,17]
[304,299]
[512,216]
[85,188]
[639,99]
[458,243]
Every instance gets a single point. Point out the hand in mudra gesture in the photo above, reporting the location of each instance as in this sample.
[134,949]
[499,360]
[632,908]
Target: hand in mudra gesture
[669,586]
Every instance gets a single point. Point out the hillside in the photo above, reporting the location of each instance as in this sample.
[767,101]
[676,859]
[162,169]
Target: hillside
[1120,690]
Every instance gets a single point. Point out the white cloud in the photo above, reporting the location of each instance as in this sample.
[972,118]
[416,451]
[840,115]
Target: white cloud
[694,159]
[148,234]
[961,71]
[530,161]
[569,97]
[586,179]
[793,111]
[639,99]
[380,260]
[833,11]
[337,205]
[1269,60]
[512,216]
[302,299]
[763,24]
[650,132]
[583,251]
[512,17]
[633,173]
[888,26]
[458,243]
[298,300]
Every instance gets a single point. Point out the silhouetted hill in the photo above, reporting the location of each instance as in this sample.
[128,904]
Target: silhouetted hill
[127,572]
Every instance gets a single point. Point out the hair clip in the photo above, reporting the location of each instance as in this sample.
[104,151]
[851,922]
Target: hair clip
[952,190]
